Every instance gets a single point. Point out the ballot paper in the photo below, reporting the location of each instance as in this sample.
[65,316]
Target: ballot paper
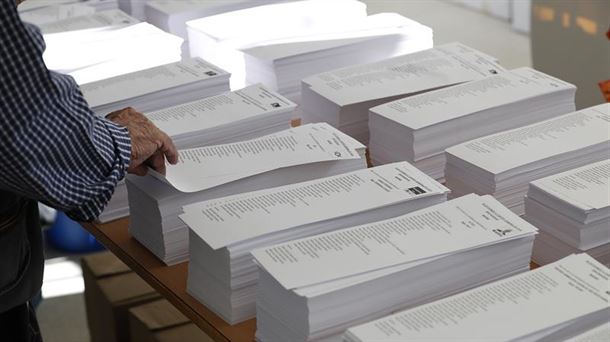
[221,38]
[222,274]
[315,288]
[111,19]
[344,96]
[35,5]
[504,163]
[598,334]
[96,54]
[302,153]
[53,13]
[574,208]
[419,128]
[157,88]
[551,303]
[244,114]
[229,117]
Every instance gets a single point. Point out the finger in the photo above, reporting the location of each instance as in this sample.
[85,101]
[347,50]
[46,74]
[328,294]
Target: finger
[140,170]
[157,162]
[169,149]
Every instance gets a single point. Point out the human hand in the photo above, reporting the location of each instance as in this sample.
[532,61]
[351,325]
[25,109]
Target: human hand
[149,145]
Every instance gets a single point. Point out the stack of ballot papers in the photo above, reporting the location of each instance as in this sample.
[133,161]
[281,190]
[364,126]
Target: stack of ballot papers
[552,303]
[230,117]
[95,54]
[504,163]
[344,96]
[572,208]
[419,128]
[243,114]
[157,88]
[223,232]
[104,20]
[283,63]
[49,14]
[97,5]
[315,288]
[171,15]
[220,38]
[294,155]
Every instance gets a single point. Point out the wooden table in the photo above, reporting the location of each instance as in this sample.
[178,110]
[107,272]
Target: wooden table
[170,281]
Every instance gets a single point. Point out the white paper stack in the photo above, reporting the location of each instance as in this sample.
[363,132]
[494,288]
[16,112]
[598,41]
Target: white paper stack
[104,20]
[294,155]
[419,128]
[572,208]
[95,54]
[343,97]
[97,5]
[283,63]
[157,88]
[315,288]
[504,163]
[223,232]
[551,303]
[59,11]
[135,7]
[230,117]
[171,15]
[220,38]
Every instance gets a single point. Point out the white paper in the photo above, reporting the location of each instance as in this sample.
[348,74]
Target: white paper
[472,97]
[148,81]
[218,110]
[507,150]
[47,15]
[448,227]
[438,67]
[111,18]
[206,167]
[245,216]
[504,310]
[586,187]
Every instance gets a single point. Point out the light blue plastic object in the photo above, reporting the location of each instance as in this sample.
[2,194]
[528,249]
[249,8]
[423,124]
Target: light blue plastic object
[70,236]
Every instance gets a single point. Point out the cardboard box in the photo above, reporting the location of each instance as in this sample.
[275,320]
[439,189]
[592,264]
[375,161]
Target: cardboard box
[111,289]
[160,321]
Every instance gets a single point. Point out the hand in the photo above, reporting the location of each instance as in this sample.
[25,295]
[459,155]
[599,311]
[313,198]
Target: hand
[149,145]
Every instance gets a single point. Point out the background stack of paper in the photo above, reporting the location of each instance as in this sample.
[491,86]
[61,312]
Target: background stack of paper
[135,7]
[504,163]
[171,15]
[221,38]
[294,155]
[572,209]
[551,303]
[317,287]
[419,128]
[157,88]
[97,5]
[597,334]
[222,274]
[54,12]
[343,97]
[91,55]
[244,114]
[283,63]
[105,20]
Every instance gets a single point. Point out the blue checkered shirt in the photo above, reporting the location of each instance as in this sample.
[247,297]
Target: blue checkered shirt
[52,146]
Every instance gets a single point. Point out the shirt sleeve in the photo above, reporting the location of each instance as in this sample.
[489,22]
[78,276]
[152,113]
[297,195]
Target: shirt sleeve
[53,148]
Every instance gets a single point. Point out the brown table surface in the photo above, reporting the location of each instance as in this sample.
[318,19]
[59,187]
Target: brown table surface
[170,281]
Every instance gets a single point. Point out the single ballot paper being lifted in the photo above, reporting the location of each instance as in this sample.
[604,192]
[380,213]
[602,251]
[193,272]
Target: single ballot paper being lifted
[206,167]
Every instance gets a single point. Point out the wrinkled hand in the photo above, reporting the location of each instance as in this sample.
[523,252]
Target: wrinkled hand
[149,145]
